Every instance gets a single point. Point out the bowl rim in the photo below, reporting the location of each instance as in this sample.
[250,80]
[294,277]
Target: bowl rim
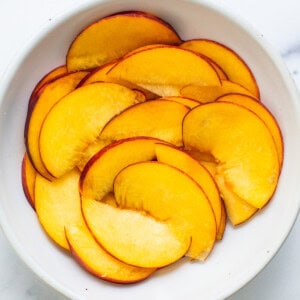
[19,56]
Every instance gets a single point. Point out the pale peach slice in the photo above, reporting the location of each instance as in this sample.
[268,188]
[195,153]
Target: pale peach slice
[93,258]
[191,103]
[28,179]
[168,66]
[242,146]
[77,120]
[160,119]
[94,46]
[110,161]
[44,100]
[170,196]
[230,62]
[263,113]
[56,72]
[57,205]
[174,157]
[206,94]
[238,210]
[134,237]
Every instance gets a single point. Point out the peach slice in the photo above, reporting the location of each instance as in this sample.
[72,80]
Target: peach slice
[263,113]
[110,161]
[160,119]
[160,67]
[56,72]
[238,210]
[134,237]
[44,100]
[94,46]
[242,146]
[174,157]
[57,205]
[93,258]
[222,226]
[170,196]
[28,179]
[230,62]
[206,94]
[77,120]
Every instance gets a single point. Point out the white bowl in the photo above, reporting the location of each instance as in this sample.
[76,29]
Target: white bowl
[243,252]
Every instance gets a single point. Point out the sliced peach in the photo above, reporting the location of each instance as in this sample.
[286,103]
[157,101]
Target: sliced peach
[56,72]
[57,205]
[206,94]
[44,100]
[94,46]
[238,210]
[223,221]
[174,157]
[134,237]
[263,113]
[93,258]
[77,120]
[168,66]
[28,179]
[172,197]
[110,161]
[230,62]
[160,119]
[242,146]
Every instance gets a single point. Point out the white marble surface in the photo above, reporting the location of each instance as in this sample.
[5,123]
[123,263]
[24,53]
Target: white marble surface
[278,21]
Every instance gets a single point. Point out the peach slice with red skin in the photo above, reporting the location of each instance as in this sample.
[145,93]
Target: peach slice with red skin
[230,62]
[77,120]
[129,234]
[160,119]
[28,179]
[165,67]
[110,161]
[261,110]
[174,157]
[39,107]
[172,197]
[57,205]
[94,46]
[93,258]
[251,169]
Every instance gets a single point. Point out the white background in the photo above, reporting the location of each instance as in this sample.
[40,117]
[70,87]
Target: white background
[278,21]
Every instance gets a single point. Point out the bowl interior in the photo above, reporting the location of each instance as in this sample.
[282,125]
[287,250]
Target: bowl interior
[243,252]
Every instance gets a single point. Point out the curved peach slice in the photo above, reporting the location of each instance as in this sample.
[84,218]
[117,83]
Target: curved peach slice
[134,237]
[160,67]
[56,72]
[160,119]
[44,100]
[259,109]
[238,210]
[57,205]
[77,120]
[114,36]
[93,258]
[174,157]
[222,226]
[110,161]
[242,146]
[28,179]
[229,61]
[170,196]
[190,103]
[206,94]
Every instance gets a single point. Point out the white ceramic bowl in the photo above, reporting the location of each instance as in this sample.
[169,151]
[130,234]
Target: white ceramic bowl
[243,252]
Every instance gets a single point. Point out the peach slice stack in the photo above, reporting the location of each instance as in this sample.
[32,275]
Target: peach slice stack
[146,144]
